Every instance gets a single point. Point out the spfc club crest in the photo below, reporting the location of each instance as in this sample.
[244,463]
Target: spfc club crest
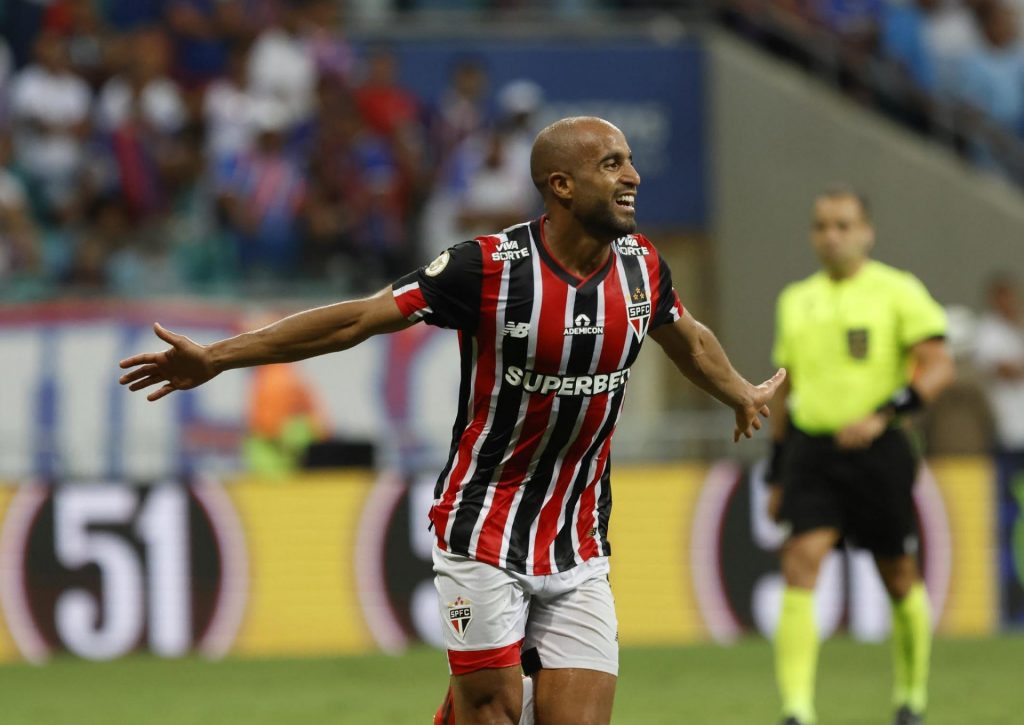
[639,315]
[460,614]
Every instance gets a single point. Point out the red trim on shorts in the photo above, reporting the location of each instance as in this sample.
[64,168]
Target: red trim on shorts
[463,663]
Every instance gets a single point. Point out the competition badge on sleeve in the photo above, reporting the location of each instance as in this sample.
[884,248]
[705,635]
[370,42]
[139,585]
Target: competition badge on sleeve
[460,614]
[437,266]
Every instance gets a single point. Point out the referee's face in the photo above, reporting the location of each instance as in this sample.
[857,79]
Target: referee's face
[841,234]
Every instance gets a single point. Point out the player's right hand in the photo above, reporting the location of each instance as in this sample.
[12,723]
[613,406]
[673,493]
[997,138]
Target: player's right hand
[184,365]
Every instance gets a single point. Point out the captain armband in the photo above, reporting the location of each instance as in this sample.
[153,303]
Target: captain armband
[905,400]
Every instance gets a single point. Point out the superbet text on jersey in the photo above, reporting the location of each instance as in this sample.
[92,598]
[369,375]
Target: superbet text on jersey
[545,360]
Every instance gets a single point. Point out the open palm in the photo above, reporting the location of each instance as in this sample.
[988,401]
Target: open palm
[184,365]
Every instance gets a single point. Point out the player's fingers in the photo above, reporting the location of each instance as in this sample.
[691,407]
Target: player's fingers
[165,390]
[137,373]
[142,359]
[166,335]
[146,382]
[772,383]
[765,411]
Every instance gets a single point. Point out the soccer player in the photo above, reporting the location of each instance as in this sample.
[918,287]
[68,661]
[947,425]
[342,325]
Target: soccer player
[864,344]
[550,314]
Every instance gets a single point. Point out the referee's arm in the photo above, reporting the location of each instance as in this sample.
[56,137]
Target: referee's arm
[779,429]
[933,371]
[699,356]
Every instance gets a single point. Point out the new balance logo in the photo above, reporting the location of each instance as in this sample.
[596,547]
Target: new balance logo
[516,329]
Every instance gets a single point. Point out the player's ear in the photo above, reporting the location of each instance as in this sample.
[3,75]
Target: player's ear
[561,185]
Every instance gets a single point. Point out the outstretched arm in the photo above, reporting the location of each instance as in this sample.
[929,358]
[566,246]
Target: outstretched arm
[699,356]
[187,364]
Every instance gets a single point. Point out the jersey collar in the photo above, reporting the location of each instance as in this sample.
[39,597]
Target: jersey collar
[590,281]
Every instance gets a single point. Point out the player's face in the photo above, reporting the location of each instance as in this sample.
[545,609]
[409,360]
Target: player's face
[604,196]
[841,234]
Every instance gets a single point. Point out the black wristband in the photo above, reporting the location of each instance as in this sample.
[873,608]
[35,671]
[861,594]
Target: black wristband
[773,474]
[904,400]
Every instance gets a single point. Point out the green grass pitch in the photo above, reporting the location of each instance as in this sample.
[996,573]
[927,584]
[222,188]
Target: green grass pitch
[975,682]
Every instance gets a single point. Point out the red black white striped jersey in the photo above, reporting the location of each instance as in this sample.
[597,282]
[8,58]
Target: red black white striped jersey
[545,360]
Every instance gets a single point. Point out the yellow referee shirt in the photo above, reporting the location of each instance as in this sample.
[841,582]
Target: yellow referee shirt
[845,344]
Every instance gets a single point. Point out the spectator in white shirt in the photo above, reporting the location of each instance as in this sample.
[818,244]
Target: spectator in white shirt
[50,114]
[143,92]
[999,356]
[228,110]
[282,65]
[140,112]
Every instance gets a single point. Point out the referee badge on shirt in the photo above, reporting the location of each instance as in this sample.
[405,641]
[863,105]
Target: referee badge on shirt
[857,342]
[460,614]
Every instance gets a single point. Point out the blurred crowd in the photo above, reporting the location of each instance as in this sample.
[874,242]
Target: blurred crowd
[151,146]
[965,54]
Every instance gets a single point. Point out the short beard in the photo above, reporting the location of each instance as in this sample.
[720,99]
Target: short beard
[603,224]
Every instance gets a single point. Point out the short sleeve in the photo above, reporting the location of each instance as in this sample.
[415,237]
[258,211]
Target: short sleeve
[668,308]
[920,316]
[446,292]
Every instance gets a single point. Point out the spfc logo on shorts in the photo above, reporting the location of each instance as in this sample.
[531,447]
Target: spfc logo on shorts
[460,614]
[857,343]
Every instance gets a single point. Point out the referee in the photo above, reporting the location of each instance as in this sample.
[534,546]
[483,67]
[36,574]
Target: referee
[864,344]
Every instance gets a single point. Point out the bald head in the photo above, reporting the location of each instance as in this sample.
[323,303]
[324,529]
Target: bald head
[563,145]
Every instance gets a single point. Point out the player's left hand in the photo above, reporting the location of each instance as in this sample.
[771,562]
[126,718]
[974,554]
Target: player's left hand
[749,414]
[862,433]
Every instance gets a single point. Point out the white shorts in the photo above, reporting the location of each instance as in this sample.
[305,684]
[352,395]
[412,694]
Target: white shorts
[490,615]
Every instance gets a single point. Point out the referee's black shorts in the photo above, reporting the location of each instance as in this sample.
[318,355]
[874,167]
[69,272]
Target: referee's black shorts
[865,494]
